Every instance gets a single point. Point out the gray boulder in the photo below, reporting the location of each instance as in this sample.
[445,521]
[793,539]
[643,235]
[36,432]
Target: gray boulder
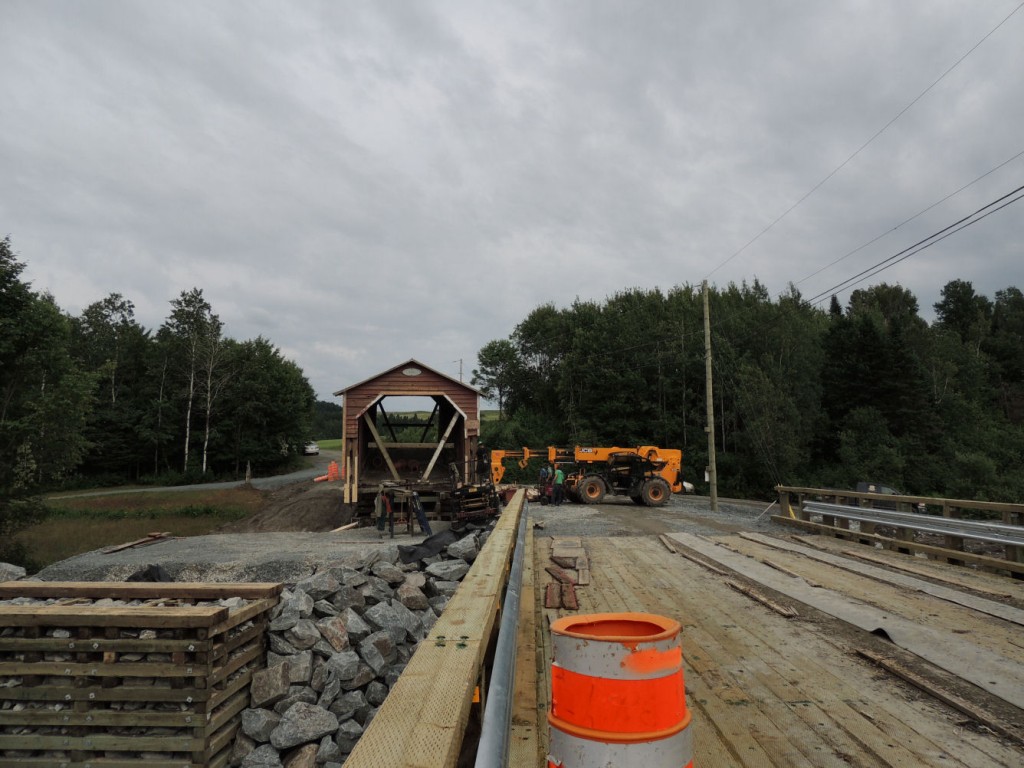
[296,694]
[300,667]
[325,608]
[391,573]
[464,549]
[334,632]
[9,572]
[410,621]
[363,676]
[355,626]
[441,588]
[376,692]
[411,597]
[343,665]
[349,704]
[319,585]
[328,751]
[257,724]
[384,616]
[347,735]
[269,685]
[376,590]
[378,651]
[303,635]
[303,723]
[448,570]
[263,757]
[348,596]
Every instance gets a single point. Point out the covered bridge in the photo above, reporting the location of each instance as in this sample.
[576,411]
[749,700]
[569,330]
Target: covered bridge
[420,453]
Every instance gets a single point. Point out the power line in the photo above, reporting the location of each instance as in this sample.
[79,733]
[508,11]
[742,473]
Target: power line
[920,245]
[910,219]
[863,146]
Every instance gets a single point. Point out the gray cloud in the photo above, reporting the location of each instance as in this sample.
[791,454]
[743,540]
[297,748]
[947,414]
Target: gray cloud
[361,183]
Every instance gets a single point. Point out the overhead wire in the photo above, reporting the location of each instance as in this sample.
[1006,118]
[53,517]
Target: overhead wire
[923,211]
[921,245]
[871,271]
[863,146]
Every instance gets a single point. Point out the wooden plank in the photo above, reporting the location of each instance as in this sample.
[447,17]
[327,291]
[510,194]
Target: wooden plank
[988,562]
[907,616]
[150,761]
[1011,731]
[245,613]
[783,610]
[75,669]
[185,617]
[423,720]
[969,579]
[524,739]
[564,562]
[148,539]
[767,692]
[130,590]
[101,742]
[899,580]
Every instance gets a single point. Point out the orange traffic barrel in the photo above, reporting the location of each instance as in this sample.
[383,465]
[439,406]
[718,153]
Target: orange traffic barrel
[617,693]
[332,471]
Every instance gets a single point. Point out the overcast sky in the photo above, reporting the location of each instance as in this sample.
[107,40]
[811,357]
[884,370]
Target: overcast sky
[362,183]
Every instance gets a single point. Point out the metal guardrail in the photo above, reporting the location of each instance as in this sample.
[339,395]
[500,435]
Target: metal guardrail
[492,751]
[994,533]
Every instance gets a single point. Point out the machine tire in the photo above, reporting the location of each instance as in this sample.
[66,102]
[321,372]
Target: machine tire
[591,490]
[655,492]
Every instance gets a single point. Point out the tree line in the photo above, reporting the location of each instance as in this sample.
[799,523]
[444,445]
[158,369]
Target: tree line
[802,395]
[100,398]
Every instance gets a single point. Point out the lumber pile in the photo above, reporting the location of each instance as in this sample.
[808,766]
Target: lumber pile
[127,673]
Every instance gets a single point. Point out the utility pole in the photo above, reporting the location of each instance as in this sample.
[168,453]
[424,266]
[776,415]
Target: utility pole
[459,361]
[710,428]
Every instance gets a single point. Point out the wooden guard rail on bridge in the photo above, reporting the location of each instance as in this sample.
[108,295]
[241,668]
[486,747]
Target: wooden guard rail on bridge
[837,508]
[423,720]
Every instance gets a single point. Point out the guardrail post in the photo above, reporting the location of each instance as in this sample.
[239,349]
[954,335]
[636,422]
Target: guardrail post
[953,542]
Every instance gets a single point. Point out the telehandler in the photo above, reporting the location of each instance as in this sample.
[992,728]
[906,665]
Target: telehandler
[646,474]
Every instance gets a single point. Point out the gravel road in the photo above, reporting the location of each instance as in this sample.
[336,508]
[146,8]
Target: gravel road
[289,555]
[621,517]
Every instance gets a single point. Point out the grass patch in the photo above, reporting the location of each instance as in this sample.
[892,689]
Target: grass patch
[84,523]
[330,445]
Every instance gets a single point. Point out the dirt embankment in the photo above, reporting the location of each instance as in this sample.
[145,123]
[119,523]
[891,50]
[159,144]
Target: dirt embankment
[301,506]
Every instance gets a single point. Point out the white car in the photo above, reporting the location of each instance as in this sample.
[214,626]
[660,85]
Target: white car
[311,449]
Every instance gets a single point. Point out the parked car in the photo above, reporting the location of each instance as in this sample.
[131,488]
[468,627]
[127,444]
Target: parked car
[864,487]
[311,449]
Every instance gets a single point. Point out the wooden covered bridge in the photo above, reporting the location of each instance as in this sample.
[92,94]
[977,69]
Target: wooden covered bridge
[375,445]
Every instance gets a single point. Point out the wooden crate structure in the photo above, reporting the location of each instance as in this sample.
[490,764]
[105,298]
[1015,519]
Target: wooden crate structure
[160,682]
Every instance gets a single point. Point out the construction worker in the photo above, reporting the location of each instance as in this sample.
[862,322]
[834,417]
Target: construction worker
[380,509]
[556,489]
[421,515]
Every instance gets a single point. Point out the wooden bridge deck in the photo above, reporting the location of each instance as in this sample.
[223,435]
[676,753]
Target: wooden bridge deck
[770,690]
[776,673]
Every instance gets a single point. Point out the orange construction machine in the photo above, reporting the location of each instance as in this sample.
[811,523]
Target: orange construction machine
[646,474]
